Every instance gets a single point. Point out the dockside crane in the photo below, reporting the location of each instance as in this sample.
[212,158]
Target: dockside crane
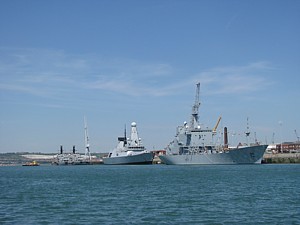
[87,141]
[195,109]
[297,135]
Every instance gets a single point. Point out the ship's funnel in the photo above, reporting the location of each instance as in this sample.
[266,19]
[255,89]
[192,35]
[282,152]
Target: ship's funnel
[61,149]
[225,138]
[73,149]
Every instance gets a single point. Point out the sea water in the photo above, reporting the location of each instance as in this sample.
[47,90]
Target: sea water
[150,194]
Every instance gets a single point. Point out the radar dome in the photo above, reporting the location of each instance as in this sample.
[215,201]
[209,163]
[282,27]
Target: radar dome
[133,124]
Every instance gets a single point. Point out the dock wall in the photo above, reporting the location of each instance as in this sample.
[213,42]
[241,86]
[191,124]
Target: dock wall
[281,158]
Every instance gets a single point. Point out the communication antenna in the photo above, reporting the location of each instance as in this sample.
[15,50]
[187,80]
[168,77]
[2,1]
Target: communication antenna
[87,141]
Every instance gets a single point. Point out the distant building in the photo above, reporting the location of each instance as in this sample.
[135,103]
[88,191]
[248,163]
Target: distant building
[288,147]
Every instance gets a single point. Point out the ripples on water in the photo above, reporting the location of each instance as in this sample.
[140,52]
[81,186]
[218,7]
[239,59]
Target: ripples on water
[152,194]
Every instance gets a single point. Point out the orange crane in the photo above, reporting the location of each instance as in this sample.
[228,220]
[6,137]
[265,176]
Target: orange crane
[217,124]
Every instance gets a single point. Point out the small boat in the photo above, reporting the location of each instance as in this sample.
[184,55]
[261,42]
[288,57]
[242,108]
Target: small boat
[33,163]
[129,151]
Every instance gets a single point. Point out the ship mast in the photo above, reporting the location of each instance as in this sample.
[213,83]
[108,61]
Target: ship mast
[247,132]
[86,138]
[195,109]
[125,137]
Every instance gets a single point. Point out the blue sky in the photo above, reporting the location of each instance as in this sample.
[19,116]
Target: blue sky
[121,61]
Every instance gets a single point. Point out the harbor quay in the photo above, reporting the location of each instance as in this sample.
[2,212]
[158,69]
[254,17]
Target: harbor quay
[17,159]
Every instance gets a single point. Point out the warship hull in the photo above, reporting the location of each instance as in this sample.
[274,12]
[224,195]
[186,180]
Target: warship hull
[143,158]
[246,155]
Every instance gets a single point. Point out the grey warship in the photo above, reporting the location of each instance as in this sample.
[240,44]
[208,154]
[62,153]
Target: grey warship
[70,158]
[129,151]
[195,145]
[74,158]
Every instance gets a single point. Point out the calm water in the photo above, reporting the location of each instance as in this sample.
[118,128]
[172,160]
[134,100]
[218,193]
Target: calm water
[154,194]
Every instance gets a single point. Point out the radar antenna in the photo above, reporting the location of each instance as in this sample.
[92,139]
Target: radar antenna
[195,109]
[87,141]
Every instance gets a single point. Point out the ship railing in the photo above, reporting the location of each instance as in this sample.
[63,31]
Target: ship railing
[200,150]
[135,149]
